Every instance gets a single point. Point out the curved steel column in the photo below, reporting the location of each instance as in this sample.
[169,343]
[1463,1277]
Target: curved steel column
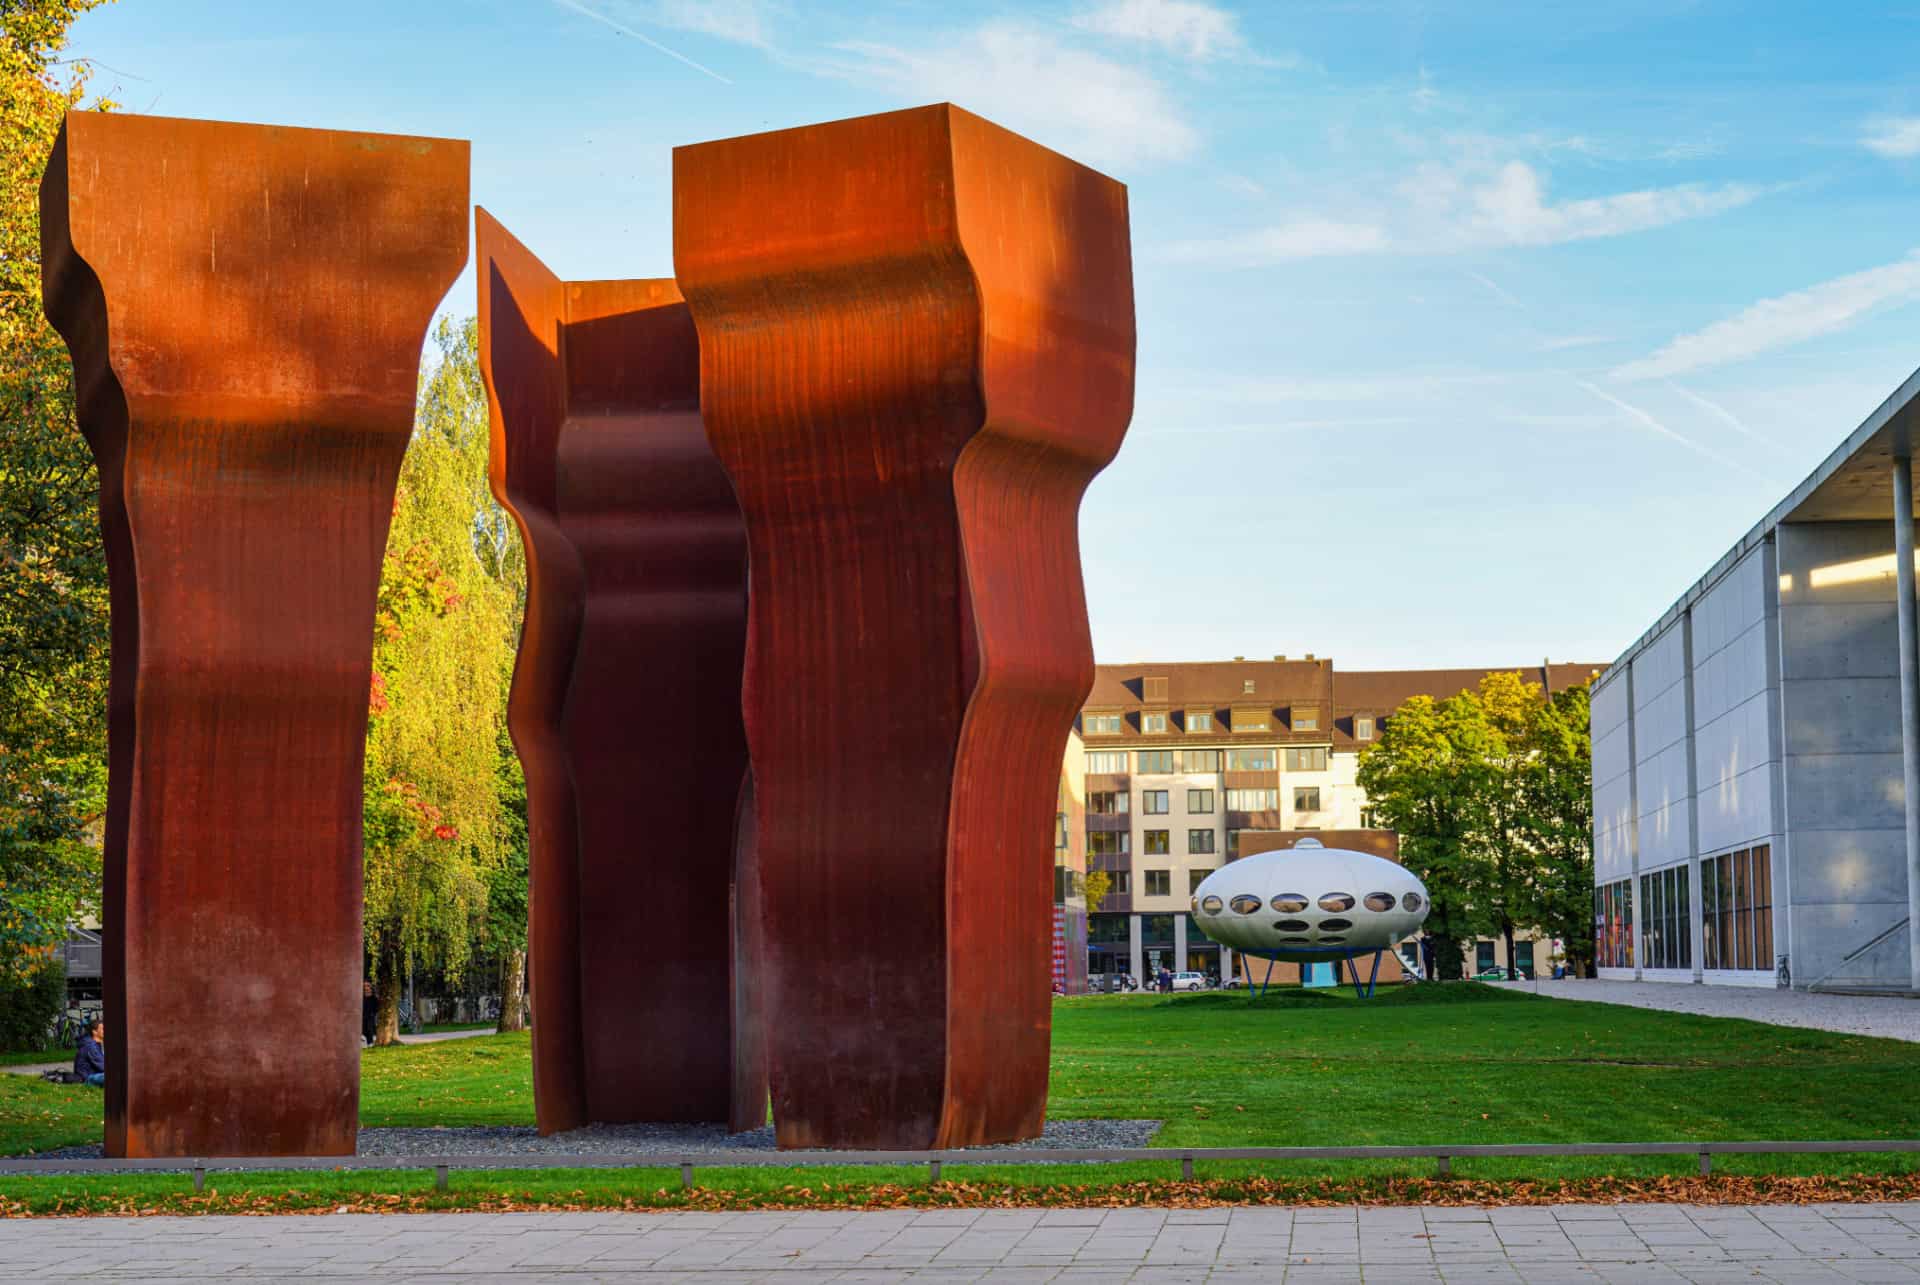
[626,695]
[245,306]
[917,343]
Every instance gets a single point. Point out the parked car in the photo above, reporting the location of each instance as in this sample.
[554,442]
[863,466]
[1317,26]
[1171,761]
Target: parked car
[1190,981]
[1491,975]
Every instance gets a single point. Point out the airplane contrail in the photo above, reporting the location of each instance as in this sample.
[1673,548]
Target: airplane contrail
[641,36]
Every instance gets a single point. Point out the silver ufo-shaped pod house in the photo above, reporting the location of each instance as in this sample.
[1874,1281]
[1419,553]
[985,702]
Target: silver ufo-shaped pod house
[1310,904]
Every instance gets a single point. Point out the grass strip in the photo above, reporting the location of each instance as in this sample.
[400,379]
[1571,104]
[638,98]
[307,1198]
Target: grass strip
[902,1187]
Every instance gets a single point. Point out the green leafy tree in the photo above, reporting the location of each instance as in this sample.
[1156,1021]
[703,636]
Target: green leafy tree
[506,926]
[1424,778]
[436,834]
[53,576]
[1557,790]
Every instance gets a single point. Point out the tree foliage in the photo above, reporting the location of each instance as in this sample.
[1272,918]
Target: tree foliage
[436,831]
[1491,793]
[53,575]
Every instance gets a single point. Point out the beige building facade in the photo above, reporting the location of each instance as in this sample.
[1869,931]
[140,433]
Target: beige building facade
[1177,760]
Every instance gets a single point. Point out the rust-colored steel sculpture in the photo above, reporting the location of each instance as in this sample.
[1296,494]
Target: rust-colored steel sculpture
[916,346]
[626,697]
[245,307]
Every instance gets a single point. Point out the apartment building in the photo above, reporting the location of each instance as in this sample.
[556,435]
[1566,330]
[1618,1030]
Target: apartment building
[1171,762]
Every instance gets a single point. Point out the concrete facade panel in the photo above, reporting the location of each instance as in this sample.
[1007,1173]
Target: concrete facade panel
[1838,640]
[1843,715]
[1737,811]
[1840,867]
[1847,792]
[1825,935]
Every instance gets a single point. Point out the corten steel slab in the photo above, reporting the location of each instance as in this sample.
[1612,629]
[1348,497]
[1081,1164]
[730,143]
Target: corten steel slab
[626,694]
[917,346]
[245,306]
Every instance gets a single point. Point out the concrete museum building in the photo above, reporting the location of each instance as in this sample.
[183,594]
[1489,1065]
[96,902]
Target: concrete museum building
[1756,754]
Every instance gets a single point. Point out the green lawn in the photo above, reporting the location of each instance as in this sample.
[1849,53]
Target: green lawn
[1426,1064]
[33,1057]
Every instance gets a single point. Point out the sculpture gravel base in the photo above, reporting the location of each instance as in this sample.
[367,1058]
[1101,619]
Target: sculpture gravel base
[665,1140]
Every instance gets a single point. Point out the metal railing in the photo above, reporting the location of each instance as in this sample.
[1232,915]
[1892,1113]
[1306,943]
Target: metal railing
[1443,1154]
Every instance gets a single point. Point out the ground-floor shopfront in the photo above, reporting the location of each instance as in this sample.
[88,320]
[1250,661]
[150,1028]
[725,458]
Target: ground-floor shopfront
[1143,945]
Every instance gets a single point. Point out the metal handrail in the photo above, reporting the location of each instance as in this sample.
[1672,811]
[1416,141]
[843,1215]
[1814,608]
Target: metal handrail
[1441,1153]
[1858,951]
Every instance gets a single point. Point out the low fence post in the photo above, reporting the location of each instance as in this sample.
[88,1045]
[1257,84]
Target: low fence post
[686,1173]
[439,1177]
[199,1179]
[1444,1169]
[1186,1168]
[1706,1163]
[933,1171]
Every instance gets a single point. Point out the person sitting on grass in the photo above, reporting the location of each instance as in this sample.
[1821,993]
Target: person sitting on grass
[90,1060]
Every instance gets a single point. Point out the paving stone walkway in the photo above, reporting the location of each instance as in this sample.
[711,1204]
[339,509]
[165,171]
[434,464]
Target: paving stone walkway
[1892,1017]
[1586,1243]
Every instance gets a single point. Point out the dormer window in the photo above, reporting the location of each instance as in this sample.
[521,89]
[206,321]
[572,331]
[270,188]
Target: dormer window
[1100,724]
[1199,721]
[1247,718]
[1363,727]
[1305,718]
[1153,690]
[1153,724]
[1246,687]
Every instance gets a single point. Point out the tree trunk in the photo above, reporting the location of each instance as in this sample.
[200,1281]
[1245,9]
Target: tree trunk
[513,991]
[1506,932]
[1446,955]
[386,1027]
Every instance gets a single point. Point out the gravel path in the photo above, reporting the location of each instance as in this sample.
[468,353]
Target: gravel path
[1887,1016]
[670,1140]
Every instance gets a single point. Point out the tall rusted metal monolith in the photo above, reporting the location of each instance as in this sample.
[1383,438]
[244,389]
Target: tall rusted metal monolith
[626,698]
[245,307]
[916,350]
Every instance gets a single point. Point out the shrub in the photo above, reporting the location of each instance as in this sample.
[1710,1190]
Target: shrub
[29,1004]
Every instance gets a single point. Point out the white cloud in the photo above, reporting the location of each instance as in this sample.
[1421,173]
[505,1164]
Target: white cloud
[1469,206]
[1560,343]
[1021,76]
[1893,136]
[1189,27]
[1308,238]
[1783,320]
[1510,208]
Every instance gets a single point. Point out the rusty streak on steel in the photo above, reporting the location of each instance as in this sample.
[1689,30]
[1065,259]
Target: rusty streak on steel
[245,306]
[626,697]
[917,348]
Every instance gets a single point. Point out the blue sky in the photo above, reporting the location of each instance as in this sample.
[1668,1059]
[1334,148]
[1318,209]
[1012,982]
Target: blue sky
[1469,333]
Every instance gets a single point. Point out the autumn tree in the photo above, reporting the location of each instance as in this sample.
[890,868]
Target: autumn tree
[1507,706]
[53,574]
[436,834]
